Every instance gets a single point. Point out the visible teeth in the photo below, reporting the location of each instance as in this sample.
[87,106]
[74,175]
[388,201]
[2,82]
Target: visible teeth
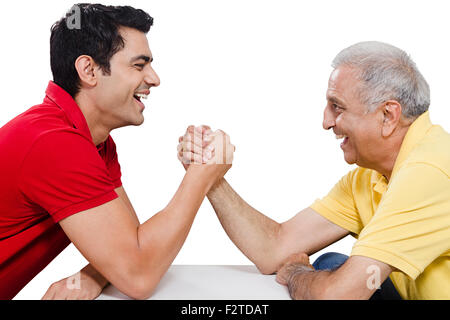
[340,136]
[141,95]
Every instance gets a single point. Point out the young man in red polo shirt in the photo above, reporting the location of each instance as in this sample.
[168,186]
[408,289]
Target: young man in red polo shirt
[61,180]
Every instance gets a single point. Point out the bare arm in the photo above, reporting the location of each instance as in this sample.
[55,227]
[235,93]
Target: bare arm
[134,257]
[357,278]
[89,270]
[124,197]
[91,281]
[264,241]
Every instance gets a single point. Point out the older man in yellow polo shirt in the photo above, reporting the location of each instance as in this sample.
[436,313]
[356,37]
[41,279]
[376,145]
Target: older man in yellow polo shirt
[396,203]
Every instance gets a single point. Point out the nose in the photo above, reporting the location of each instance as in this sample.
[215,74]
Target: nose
[329,120]
[151,78]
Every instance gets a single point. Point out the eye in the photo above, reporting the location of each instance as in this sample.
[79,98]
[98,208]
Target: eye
[140,66]
[337,108]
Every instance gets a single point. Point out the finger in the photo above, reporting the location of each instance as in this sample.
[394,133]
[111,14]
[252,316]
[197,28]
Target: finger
[185,157]
[183,160]
[194,142]
[190,157]
[295,257]
[205,129]
[194,136]
[212,158]
[191,147]
[198,144]
[280,278]
[302,258]
[193,158]
[198,138]
[208,154]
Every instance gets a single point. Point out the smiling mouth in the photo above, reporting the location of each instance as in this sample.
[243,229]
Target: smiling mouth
[139,96]
[342,136]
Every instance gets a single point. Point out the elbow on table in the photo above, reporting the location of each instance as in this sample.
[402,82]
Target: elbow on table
[140,287]
[135,277]
[266,268]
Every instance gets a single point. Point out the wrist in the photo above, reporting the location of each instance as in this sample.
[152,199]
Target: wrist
[91,273]
[210,174]
[218,185]
[300,269]
[296,282]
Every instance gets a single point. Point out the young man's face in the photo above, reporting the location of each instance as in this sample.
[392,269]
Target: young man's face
[131,75]
[350,120]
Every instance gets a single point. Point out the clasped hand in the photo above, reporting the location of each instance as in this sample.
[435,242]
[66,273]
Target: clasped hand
[200,145]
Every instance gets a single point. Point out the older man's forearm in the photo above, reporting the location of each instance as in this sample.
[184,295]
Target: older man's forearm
[309,285]
[255,234]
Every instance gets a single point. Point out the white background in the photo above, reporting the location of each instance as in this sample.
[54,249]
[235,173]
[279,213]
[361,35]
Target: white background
[256,69]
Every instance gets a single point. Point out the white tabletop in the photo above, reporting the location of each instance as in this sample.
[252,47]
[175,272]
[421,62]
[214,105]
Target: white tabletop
[208,282]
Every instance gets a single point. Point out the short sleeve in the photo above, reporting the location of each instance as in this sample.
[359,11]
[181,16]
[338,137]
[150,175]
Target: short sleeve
[339,205]
[411,226]
[64,174]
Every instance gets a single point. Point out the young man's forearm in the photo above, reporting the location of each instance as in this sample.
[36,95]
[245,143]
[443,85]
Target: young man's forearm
[161,237]
[252,232]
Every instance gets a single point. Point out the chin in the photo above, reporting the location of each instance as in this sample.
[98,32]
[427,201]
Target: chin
[138,120]
[349,159]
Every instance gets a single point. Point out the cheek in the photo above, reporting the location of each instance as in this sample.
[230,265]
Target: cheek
[120,85]
[342,123]
[365,139]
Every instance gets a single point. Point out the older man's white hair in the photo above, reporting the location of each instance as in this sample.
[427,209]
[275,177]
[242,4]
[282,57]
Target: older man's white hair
[386,73]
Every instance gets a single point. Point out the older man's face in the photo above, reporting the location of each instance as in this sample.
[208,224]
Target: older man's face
[350,121]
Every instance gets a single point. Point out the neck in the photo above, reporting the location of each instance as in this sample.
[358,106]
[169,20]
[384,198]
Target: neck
[99,131]
[386,166]
[391,149]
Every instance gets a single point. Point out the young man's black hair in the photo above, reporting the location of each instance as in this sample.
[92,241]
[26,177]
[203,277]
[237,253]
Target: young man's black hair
[95,33]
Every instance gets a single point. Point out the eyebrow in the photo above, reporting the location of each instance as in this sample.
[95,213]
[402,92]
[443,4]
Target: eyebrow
[142,57]
[335,100]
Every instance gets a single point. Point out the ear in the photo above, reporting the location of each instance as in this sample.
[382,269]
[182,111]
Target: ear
[86,69]
[392,113]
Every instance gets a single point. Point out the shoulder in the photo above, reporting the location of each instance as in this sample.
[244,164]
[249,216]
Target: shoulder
[62,142]
[433,151]
[25,128]
[43,125]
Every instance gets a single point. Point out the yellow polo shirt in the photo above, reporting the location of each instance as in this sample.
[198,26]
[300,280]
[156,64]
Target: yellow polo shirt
[406,222]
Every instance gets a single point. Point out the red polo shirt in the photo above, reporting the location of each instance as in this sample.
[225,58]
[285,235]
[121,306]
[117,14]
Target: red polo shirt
[49,169]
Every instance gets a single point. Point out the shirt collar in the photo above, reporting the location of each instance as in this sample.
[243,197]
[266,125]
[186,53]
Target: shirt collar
[379,182]
[64,101]
[414,135]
